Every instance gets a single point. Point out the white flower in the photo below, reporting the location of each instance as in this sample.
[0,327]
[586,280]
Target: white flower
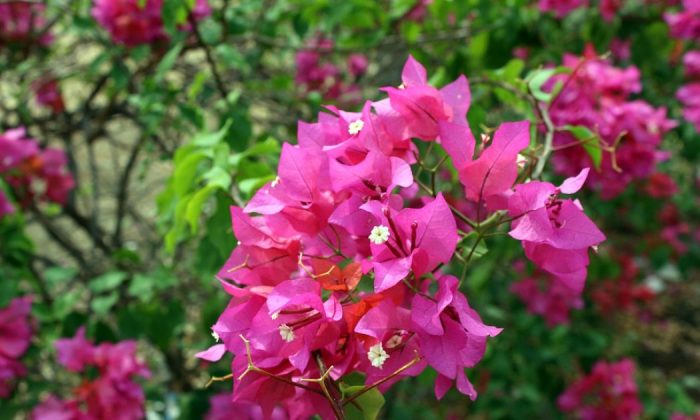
[379,235]
[216,336]
[377,356]
[275,182]
[355,127]
[521,161]
[402,86]
[287,333]
[394,341]
[275,315]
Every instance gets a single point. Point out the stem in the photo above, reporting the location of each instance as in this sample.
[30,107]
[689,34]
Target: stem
[548,139]
[210,58]
[381,381]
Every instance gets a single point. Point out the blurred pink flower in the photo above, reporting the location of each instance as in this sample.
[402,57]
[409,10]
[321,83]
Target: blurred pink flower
[15,336]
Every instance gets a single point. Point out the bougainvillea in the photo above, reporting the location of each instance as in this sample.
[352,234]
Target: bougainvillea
[622,293]
[548,297]
[315,72]
[608,392]
[626,134]
[112,393]
[22,23]
[337,273]
[134,22]
[49,95]
[15,336]
[33,173]
[689,94]
[685,24]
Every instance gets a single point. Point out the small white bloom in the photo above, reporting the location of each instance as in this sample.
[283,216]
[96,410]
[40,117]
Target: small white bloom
[275,315]
[402,86]
[287,333]
[275,182]
[485,138]
[521,161]
[377,356]
[394,341]
[379,235]
[355,127]
[216,336]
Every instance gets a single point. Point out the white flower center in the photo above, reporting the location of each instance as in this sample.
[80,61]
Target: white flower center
[521,161]
[275,182]
[275,315]
[377,356]
[355,127]
[287,333]
[402,86]
[379,235]
[216,336]
[394,341]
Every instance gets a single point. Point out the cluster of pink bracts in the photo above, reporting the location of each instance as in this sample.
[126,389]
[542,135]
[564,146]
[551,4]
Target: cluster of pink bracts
[15,337]
[315,72]
[32,172]
[338,264]
[609,392]
[113,394]
[23,23]
[685,25]
[596,95]
[131,24]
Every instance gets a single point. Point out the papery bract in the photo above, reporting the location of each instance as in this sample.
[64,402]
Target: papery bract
[132,23]
[15,336]
[608,392]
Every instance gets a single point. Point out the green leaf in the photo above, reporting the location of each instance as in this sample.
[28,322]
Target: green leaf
[511,71]
[590,142]
[184,177]
[56,275]
[168,62]
[194,206]
[141,287]
[210,139]
[65,302]
[537,78]
[102,304]
[267,147]
[371,403]
[107,281]
[249,186]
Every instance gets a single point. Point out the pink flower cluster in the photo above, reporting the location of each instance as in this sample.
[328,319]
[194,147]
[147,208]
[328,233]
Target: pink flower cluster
[15,336]
[23,22]
[32,172]
[622,293]
[686,23]
[335,270]
[609,392]
[548,297]
[316,73]
[131,24]
[113,394]
[561,8]
[596,95]
[49,95]
[689,94]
